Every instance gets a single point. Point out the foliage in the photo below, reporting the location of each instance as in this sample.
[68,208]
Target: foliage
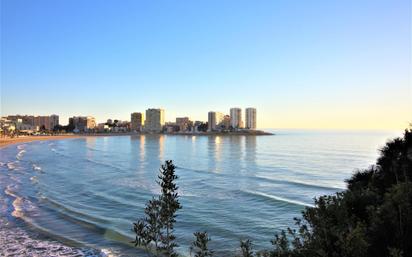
[200,245]
[373,217]
[155,230]
[169,204]
[246,248]
[203,127]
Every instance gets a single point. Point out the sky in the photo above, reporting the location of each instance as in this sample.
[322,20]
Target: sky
[302,64]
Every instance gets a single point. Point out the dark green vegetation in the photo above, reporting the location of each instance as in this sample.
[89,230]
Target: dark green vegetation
[199,246]
[155,231]
[373,217]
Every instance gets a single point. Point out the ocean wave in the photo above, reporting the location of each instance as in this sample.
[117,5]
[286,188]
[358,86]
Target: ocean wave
[93,224]
[21,147]
[301,183]
[54,150]
[20,154]
[12,165]
[24,209]
[17,242]
[73,213]
[10,191]
[278,198]
[36,167]
[105,164]
[34,180]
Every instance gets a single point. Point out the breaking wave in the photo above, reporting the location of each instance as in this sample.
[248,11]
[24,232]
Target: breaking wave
[278,198]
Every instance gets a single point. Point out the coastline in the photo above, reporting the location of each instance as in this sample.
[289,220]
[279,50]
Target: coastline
[4,142]
[215,133]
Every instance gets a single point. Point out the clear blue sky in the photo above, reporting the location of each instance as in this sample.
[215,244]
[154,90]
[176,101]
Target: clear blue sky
[308,64]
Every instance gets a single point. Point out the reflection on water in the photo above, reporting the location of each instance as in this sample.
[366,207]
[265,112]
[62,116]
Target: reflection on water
[250,151]
[90,146]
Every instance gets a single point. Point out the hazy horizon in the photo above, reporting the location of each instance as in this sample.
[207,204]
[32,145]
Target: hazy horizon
[312,65]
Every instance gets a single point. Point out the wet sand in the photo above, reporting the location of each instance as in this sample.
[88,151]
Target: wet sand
[24,139]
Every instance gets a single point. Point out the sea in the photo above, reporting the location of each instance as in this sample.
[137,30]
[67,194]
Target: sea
[80,197]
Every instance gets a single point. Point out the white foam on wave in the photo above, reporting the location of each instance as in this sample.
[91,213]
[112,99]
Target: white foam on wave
[12,165]
[34,179]
[20,154]
[18,209]
[282,199]
[107,253]
[17,242]
[10,191]
[282,179]
[20,147]
[36,167]
[23,209]
[330,186]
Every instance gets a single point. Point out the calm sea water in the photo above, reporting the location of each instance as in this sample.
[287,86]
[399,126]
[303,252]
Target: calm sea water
[85,193]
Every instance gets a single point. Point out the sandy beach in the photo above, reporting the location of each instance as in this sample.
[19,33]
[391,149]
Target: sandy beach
[23,139]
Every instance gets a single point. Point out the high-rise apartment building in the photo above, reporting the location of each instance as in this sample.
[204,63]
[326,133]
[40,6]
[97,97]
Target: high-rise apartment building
[250,118]
[155,120]
[42,122]
[137,121]
[54,121]
[214,120]
[236,118]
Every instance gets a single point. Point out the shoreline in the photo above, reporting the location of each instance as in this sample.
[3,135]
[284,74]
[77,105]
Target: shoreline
[7,141]
[4,142]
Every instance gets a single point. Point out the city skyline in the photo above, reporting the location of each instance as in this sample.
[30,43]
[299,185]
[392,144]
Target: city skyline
[140,117]
[332,65]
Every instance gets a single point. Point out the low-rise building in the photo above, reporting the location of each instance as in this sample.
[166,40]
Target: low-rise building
[213,120]
[184,123]
[225,124]
[103,127]
[83,123]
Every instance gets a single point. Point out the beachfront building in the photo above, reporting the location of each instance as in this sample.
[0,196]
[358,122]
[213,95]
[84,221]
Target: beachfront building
[137,121]
[24,127]
[250,118]
[103,127]
[155,120]
[236,118]
[54,121]
[214,119]
[7,126]
[82,123]
[35,122]
[42,122]
[184,123]
[26,119]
